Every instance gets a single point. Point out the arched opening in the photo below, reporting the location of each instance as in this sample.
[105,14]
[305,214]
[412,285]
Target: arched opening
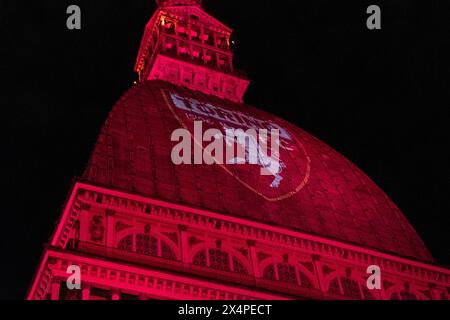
[349,288]
[147,245]
[287,273]
[219,260]
[403,295]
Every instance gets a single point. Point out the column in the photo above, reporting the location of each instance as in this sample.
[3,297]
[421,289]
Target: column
[109,229]
[215,39]
[317,270]
[204,56]
[182,229]
[56,284]
[177,40]
[202,32]
[253,258]
[86,293]
[189,35]
[217,60]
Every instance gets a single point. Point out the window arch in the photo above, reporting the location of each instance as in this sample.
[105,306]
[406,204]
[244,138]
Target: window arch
[220,260]
[403,295]
[349,288]
[147,245]
[126,244]
[287,273]
[269,273]
[407,291]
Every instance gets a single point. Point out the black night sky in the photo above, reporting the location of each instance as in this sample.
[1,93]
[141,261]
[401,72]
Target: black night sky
[381,98]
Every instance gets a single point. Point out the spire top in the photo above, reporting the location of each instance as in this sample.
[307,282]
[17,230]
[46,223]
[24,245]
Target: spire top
[184,45]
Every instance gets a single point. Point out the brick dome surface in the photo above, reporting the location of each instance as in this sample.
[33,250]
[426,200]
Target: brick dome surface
[321,192]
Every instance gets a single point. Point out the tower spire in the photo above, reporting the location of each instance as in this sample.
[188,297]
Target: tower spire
[184,45]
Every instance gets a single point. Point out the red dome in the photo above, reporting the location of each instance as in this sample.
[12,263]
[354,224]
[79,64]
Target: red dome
[319,191]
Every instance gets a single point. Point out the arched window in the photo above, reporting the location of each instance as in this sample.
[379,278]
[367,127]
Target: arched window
[403,295]
[287,273]
[166,252]
[334,287]
[238,267]
[200,259]
[269,273]
[219,260]
[126,244]
[349,288]
[147,245]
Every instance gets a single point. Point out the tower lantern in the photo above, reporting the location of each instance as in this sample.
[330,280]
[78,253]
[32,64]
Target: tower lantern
[184,45]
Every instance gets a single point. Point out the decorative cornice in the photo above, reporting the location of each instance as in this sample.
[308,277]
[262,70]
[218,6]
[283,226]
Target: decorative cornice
[144,281]
[138,206]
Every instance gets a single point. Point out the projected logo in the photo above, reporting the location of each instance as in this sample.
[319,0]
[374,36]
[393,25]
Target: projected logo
[262,155]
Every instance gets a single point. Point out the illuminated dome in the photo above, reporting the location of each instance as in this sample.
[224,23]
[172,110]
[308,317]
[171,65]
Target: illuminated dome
[319,191]
[139,226]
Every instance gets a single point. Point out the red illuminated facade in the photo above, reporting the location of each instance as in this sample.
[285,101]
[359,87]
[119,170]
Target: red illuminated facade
[140,227]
